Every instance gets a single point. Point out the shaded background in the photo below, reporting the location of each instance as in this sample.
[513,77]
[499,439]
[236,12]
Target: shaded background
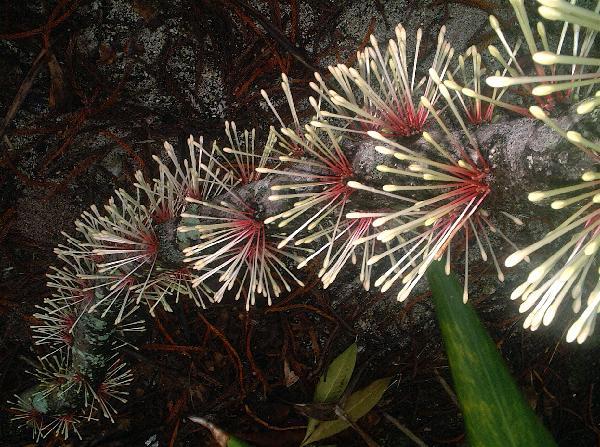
[89,90]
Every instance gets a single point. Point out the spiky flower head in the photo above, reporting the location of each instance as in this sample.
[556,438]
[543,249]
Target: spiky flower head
[28,408]
[64,424]
[230,243]
[450,183]
[320,189]
[321,178]
[121,246]
[235,248]
[55,374]
[56,325]
[572,268]
[27,415]
[382,94]
[125,244]
[113,387]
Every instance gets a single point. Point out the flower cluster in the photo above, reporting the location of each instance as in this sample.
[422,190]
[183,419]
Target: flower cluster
[562,77]
[383,92]
[199,229]
[58,380]
[449,186]
[571,267]
[118,262]
[236,248]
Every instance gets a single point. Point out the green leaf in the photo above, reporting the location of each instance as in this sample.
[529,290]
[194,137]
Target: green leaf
[310,427]
[237,442]
[333,383]
[495,412]
[357,405]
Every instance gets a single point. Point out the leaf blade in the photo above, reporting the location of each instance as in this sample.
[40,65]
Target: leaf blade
[333,383]
[495,412]
[358,404]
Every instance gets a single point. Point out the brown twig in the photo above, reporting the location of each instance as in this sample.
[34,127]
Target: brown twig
[249,329]
[265,424]
[24,89]
[163,331]
[7,162]
[230,350]
[173,348]
[174,434]
[83,115]
[276,34]
[125,146]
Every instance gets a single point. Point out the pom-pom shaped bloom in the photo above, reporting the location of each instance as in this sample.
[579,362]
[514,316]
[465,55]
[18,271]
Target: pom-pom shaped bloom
[30,409]
[125,242]
[77,287]
[27,409]
[572,268]
[319,212]
[64,424]
[56,325]
[55,375]
[452,186]
[122,246]
[320,185]
[382,93]
[26,415]
[71,296]
[236,249]
[113,387]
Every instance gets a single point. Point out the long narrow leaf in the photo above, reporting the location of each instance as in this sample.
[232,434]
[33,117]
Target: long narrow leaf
[495,412]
